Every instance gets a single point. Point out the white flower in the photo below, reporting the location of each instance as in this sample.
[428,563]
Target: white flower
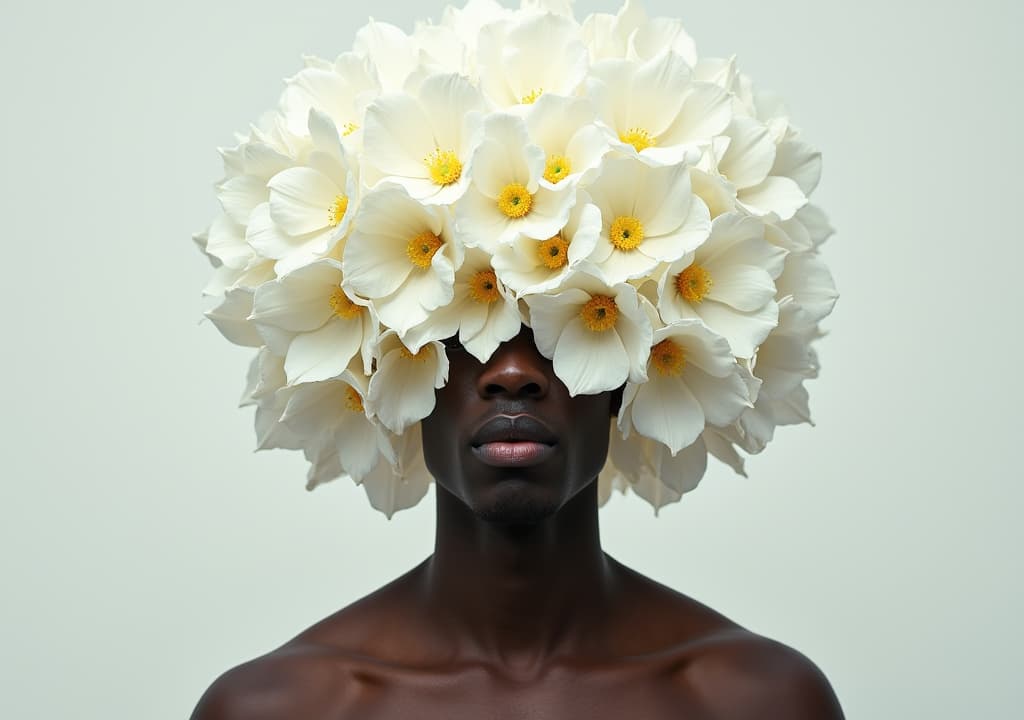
[483,312]
[693,380]
[728,282]
[266,389]
[782,364]
[565,129]
[522,58]
[506,199]
[649,215]
[402,257]
[330,416]
[629,34]
[341,90]
[598,337]
[807,290]
[424,142]
[529,266]
[654,473]
[392,52]
[394,487]
[655,110]
[306,317]
[402,388]
[468,21]
[311,205]
[746,158]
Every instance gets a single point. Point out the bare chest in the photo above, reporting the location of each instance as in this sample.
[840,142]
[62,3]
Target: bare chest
[646,691]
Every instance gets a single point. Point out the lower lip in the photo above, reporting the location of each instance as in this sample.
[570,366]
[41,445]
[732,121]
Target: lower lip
[513,454]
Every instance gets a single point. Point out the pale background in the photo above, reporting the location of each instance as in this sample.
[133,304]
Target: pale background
[144,548]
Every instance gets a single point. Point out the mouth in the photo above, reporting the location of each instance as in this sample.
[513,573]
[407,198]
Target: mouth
[513,441]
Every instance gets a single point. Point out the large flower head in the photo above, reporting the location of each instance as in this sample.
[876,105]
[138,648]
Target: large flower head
[424,142]
[402,257]
[642,209]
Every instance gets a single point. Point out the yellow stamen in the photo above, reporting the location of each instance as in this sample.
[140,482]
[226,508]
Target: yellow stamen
[532,97]
[693,283]
[668,357]
[444,166]
[353,401]
[337,211]
[421,249]
[515,200]
[626,233]
[348,129]
[418,356]
[600,313]
[553,253]
[483,287]
[558,168]
[343,306]
[638,138]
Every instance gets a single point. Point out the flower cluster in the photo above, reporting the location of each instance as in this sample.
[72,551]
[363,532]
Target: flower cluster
[641,208]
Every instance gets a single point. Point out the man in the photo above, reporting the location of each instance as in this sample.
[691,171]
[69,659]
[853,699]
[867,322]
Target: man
[519,613]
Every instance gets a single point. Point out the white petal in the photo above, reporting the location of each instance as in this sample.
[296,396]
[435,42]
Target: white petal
[664,409]
[301,199]
[590,362]
[323,353]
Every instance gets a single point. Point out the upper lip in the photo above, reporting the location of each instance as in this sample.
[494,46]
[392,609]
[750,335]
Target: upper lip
[514,428]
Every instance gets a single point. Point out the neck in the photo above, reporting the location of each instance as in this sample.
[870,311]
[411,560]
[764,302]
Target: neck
[518,595]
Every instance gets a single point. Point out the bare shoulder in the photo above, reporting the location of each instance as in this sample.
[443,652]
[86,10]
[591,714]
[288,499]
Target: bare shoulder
[317,674]
[293,681]
[740,675]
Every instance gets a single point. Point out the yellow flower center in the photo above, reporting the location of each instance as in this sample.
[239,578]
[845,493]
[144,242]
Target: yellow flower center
[483,288]
[532,97]
[600,313]
[668,357]
[557,169]
[343,306]
[419,356]
[444,166]
[515,201]
[348,129]
[337,210]
[626,233]
[693,283]
[638,138]
[353,401]
[553,253]
[421,249]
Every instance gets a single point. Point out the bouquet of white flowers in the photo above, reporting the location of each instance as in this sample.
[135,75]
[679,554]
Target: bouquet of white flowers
[639,207]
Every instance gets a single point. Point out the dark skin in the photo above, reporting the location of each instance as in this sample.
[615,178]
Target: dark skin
[519,614]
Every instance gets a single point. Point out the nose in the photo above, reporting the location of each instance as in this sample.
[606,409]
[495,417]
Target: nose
[515,370]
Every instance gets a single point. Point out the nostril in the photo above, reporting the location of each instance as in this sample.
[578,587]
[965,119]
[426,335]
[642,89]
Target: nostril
[494,389]
[531,389]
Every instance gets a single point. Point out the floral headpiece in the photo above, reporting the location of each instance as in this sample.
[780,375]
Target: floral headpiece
[639,207]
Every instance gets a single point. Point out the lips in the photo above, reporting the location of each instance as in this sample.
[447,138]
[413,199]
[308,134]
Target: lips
[513,441]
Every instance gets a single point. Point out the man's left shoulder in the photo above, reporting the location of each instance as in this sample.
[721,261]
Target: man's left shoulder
[739,674]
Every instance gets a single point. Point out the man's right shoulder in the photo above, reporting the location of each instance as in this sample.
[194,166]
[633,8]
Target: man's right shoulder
[291,682]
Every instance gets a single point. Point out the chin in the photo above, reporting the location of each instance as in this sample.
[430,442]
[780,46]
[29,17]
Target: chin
[515,503]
